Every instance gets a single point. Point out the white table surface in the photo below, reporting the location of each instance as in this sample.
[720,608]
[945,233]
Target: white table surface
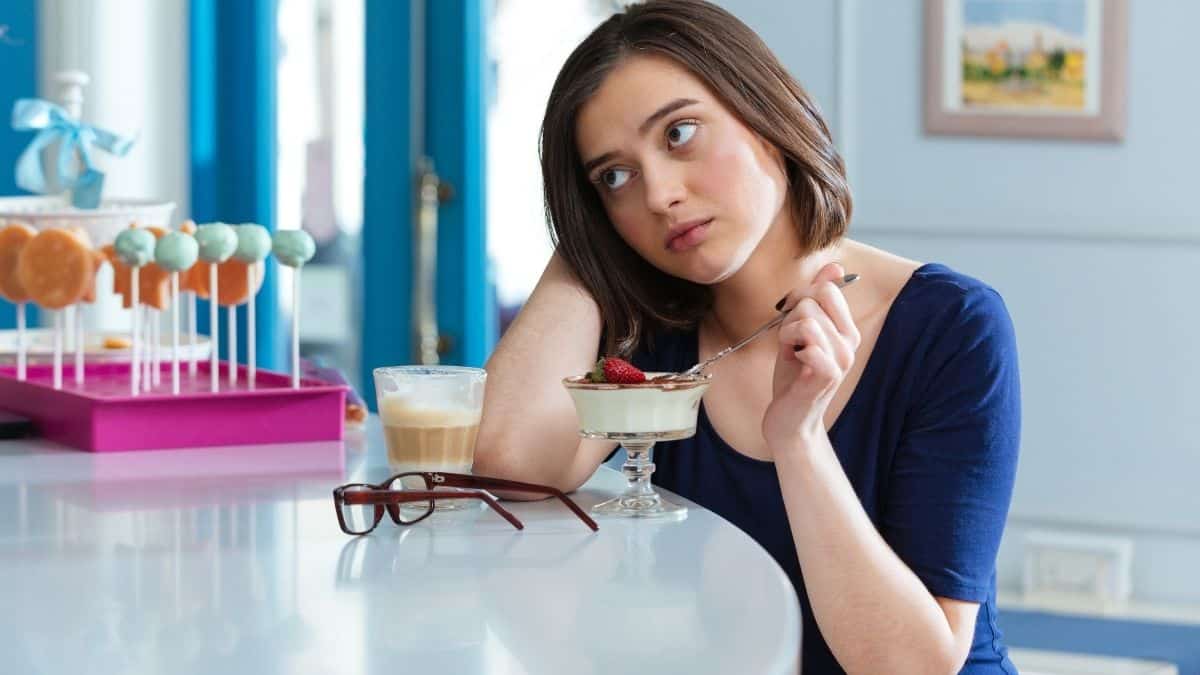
[230,560]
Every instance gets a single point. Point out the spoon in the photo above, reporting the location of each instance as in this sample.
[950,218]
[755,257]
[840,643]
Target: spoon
[695,370]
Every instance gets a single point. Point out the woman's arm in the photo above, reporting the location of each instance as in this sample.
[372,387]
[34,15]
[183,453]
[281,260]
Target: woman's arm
[529,431]
[874,613]
[883,597]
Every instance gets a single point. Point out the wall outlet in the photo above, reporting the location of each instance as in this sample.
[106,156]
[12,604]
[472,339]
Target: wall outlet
[1080,566]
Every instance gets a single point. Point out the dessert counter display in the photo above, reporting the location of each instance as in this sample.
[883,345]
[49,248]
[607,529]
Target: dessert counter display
[224,560]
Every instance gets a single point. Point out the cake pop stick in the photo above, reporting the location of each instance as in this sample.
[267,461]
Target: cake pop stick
[294,248]
[156,359]
[89,296]
[191,321]
[79,340]
[57,267]
[254,244]
[176,252]
[187,284]
[216,243]
[21,341]
[231,324]
[69,328]
[58,348]
[135,344]
[147,341]
[13,238]
[135,248]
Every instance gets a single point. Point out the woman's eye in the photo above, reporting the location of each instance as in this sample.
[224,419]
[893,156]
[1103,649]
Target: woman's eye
[614,178]
[680,133]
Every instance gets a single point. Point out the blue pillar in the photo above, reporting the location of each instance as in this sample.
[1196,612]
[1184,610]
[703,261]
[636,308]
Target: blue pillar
[18,54]
[456,96]
[232,133]
[392,63]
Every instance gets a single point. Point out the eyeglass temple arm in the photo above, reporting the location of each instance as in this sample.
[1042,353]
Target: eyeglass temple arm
[486,483]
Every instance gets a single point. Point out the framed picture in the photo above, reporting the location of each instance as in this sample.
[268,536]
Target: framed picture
[1026,68]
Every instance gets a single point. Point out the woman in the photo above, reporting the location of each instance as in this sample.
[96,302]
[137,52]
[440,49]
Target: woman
[869,444]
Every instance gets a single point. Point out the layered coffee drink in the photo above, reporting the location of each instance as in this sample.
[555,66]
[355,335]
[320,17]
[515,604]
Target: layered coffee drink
[430,418]
[425,437]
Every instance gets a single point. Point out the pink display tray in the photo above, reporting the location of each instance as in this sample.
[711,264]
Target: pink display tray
[102,416]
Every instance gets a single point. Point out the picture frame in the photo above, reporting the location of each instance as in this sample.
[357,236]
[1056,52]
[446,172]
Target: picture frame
[1026,68]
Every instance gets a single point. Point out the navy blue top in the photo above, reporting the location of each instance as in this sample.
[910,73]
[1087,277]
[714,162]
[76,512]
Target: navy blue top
[928,439]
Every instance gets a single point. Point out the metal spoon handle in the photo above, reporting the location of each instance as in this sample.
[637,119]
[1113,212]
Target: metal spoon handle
[694,370]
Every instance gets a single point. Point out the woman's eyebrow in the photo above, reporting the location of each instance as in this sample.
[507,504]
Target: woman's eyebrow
[663,112]
[654,117]
[597,161]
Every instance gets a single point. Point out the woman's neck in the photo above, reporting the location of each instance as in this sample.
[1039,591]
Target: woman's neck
[746,300]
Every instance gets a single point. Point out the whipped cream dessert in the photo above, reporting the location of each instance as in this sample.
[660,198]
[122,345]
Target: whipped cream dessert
[649,407]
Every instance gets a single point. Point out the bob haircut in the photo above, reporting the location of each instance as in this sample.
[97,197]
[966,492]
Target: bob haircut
[636,300]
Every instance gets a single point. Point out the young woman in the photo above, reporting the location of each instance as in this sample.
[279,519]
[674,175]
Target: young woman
[869,444]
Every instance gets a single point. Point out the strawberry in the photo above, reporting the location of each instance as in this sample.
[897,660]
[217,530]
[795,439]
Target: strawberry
[596,374]
[620,371]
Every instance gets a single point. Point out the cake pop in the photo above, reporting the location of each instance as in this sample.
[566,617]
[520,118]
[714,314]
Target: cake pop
[254,244]
[133,249]
[189,288]
[293,248]
[216,242]
[176,252]
[13,238]
[57,267]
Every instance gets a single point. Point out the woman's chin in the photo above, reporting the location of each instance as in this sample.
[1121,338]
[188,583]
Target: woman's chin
[706,274]
[710,266]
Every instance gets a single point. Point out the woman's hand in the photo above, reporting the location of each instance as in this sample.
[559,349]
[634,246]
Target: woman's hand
[817,343]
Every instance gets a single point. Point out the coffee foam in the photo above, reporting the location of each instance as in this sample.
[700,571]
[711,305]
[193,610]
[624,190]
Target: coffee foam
[404,411]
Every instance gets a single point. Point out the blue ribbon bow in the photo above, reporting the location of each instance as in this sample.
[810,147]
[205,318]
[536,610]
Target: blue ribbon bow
[75,140]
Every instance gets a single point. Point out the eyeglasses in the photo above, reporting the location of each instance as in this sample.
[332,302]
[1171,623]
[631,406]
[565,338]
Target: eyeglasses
[360,506]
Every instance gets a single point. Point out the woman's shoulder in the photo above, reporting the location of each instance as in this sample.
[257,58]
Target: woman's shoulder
[938,293]
[912,285]
[944,316]
[926,304]
[939,284]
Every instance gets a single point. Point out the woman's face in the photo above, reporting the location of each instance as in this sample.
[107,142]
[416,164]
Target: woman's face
[685,183]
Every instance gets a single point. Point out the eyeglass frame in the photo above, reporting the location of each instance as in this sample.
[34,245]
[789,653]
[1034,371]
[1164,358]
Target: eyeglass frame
[388,500]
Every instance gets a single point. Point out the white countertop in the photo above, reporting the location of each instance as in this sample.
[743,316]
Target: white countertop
[230,560]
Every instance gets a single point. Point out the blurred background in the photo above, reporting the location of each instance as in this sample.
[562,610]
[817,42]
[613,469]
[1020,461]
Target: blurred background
[331,115]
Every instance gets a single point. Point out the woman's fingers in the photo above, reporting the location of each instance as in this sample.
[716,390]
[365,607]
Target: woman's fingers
[807,342]
[808,326]
[833,303]
[828,294]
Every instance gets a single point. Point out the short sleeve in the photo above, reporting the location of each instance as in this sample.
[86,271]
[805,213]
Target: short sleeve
[951,480]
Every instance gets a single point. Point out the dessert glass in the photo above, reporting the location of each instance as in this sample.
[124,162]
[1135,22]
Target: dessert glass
[637,416]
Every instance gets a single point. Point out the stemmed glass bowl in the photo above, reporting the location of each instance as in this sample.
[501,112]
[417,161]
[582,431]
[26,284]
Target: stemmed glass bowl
[638,416]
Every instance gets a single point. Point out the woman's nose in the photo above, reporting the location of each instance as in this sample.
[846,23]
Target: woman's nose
[664,188]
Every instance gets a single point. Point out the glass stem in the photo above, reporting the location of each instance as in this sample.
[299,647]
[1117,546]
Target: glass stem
[637,469]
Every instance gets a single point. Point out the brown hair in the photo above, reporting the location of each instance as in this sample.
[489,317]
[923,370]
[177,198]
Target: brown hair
[637,301]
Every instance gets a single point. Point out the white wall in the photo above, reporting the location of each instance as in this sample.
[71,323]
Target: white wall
[136,53]
[1093,246]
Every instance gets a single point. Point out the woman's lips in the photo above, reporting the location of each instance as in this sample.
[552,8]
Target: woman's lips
[689,237]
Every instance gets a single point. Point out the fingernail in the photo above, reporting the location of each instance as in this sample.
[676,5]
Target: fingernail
[779,305]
